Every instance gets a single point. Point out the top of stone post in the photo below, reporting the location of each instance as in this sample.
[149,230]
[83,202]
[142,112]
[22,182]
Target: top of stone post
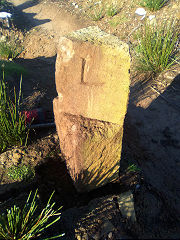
[92,75]
[95,35]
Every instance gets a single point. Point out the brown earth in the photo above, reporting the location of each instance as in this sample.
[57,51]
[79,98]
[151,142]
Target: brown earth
[151,130]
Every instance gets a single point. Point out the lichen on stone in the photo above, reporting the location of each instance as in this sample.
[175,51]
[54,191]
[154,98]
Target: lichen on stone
[95,35]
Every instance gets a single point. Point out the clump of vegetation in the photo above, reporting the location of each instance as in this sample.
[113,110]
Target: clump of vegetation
[112,10]
[133,168]
[21,172]
[26,223]
[153,5]
[97,13]
[9,50]
[157,47]
[10,43]
[13,130]
[3,3]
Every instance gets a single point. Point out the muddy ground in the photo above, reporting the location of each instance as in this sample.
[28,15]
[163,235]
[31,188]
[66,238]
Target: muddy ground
[151,130]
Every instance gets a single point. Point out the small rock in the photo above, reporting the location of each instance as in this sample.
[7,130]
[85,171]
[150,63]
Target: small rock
[126,205]
[141,12]
[152,19]
[5,15]
[96,236]
[138,186]
[16,158]
[106,228]
[110,235]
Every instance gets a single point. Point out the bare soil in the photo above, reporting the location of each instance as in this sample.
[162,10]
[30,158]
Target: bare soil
[151,129]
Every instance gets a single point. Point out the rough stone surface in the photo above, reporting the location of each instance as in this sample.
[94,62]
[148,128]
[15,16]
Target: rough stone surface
[92,75]
[95,221]
[92,81]
[126,205]
[92,149]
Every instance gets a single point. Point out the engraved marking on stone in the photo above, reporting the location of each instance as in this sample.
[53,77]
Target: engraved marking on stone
[82,70]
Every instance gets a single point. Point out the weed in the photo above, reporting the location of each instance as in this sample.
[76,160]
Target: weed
[21,172]
[112,10]
[13,129]
[153,5]
[157,47]
[133,168]
[10,43]
[9,50]
[97,13]
[26,223]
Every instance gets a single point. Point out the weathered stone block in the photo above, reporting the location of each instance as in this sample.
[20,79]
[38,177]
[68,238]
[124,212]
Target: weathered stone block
[92,75]
[92,148]
[92,81]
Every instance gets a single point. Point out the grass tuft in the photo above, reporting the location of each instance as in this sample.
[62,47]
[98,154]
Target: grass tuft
[133,168]
[8,50]
[97,13]
[157,48]
[153,5]
[112,10]
[13,130]
[26,223]
[11,43]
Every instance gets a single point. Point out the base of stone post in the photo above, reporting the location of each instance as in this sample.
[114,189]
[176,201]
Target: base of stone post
[91,148]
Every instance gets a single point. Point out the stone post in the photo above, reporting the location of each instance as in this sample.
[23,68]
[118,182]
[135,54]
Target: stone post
[92,81]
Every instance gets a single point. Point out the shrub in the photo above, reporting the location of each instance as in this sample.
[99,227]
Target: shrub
[157,47]
[13,129]
[26,223]
[153,5]
[21,172]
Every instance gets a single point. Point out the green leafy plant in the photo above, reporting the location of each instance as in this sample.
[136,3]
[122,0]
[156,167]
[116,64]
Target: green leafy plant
[112,10]
[9,50]
[27,223]
[13,130]
[21,172]
[157,47]
[133,168]
[153,5]
[97,13]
